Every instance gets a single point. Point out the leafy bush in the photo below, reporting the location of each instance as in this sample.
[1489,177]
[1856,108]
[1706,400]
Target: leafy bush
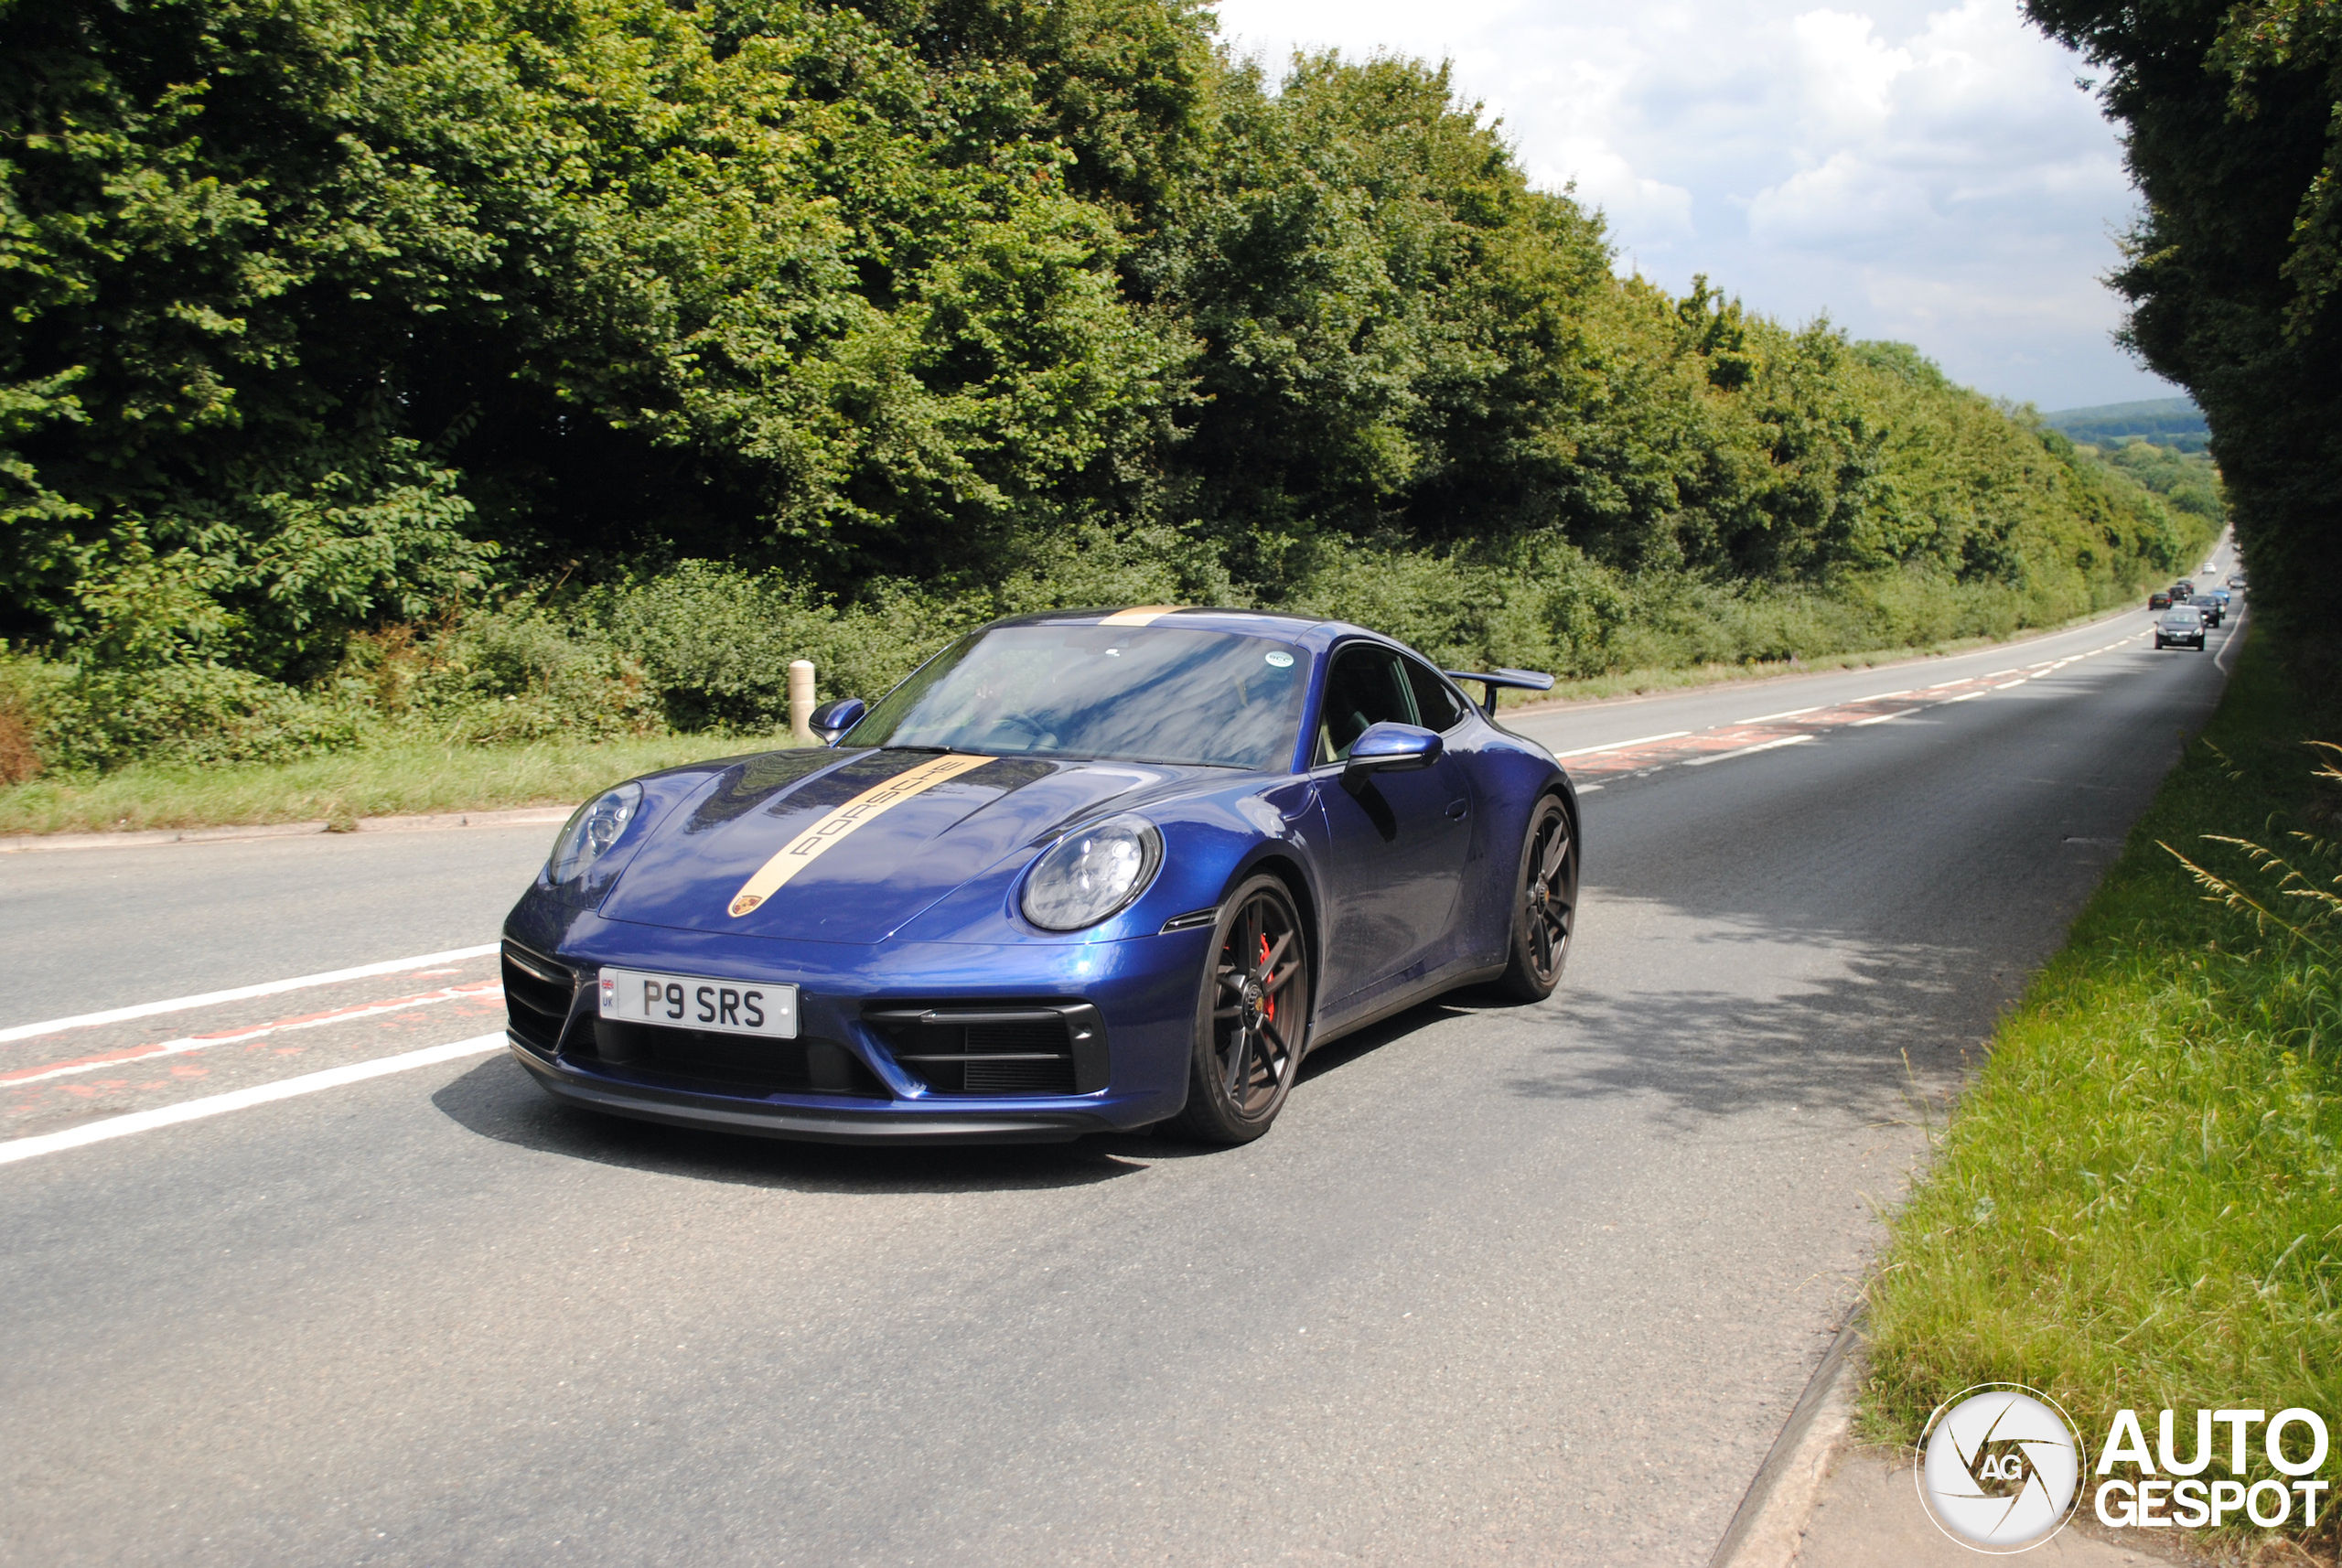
[95,718]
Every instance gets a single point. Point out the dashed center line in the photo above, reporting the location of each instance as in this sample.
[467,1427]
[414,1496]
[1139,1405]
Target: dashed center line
[1751,751]
[1622,744]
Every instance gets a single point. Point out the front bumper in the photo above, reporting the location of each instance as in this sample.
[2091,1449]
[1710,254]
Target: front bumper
[827,1124]
[1143,991]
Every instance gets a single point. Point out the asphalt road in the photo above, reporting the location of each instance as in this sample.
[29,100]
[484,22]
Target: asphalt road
[1536,1285]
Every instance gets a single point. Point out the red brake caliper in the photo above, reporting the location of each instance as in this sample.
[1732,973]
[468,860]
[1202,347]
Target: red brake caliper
[1268,1003]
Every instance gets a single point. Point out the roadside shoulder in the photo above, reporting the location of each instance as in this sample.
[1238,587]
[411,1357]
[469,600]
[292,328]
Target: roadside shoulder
[521,816]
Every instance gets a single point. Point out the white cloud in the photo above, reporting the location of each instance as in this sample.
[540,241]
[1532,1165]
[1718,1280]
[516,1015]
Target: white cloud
[1929,175]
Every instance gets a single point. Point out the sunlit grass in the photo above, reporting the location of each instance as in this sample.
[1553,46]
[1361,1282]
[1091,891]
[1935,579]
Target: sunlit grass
[2139,1202]
[389,779]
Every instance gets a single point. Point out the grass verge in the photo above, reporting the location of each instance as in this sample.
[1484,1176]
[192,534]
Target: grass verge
[381,780]
[2138,1203]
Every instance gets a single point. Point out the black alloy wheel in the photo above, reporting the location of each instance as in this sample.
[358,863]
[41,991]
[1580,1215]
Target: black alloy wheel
[1251,1019]
[1544,904]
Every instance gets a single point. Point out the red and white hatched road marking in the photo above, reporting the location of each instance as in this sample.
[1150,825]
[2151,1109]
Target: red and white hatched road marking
[1772,732]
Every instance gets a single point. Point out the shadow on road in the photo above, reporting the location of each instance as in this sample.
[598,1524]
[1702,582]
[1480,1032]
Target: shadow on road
[1390,1031]
[1822,1021]
[496,1100]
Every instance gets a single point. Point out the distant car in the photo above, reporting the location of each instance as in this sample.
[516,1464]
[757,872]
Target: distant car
[2210,567]
[2182,625]
[2160,600]
[2237,581]
[2226,597]
[2210,608]
[2182,590]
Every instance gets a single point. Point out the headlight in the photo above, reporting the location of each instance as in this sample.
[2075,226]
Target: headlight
[1088,875]
[591,829]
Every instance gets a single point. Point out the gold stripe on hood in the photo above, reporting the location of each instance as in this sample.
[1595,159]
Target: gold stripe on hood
[839,820]
[1139,615]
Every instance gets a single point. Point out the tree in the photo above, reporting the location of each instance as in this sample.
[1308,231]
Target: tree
[2232,119]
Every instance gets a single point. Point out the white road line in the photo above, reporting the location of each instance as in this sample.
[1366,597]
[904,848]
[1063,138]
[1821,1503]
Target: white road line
[1751,751]
[2007,684]
[1883,718]
[1768,718]
[1964,697]
[1622,744]
[241,1100]
[1998,673]
[138,1056]
[240,993]
[1883,695]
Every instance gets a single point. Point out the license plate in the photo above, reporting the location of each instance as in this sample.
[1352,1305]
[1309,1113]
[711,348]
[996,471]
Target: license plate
[688,1002]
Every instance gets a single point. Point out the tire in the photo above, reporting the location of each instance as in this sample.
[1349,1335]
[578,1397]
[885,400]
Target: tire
[1544,904]
[1251,1017]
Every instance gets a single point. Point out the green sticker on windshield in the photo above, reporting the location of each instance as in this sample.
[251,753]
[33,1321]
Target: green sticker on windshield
[1281,660]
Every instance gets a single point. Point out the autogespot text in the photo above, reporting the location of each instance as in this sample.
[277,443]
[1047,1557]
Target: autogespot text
[2164,1488]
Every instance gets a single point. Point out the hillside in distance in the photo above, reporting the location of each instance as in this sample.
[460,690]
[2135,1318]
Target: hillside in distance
[2174,422]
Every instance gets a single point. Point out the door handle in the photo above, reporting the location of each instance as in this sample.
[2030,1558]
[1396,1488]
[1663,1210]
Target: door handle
[1456,810]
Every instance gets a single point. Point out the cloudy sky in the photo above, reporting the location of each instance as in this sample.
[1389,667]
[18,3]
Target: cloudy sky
[1929,175]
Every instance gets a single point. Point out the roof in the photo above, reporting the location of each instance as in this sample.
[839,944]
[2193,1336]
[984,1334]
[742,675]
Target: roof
[1198,617]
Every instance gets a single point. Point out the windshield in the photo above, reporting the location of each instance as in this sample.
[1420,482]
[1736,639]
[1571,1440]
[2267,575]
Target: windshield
[1138,693]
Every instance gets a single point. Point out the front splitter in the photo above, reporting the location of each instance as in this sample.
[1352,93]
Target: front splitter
[680,1110]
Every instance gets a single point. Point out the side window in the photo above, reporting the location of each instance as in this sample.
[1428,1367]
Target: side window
[1364,687]
[1436,700]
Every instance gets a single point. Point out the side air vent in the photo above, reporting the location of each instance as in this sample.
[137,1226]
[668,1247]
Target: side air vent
[1013,1048]
[537,991]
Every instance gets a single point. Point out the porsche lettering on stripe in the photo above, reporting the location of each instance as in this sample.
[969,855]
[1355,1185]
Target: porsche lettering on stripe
[1139,615]
[839,820]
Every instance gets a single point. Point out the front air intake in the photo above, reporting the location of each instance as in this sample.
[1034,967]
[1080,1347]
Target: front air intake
[706,1062]
[1014,1048]
[537,994]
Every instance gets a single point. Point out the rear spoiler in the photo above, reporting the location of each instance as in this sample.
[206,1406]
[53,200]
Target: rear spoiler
[1493,679]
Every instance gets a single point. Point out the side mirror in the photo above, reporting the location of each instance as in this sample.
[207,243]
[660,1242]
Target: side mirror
[832,720]
[1389,748]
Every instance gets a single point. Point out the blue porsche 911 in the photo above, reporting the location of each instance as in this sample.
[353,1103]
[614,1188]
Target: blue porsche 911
[1081,871]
